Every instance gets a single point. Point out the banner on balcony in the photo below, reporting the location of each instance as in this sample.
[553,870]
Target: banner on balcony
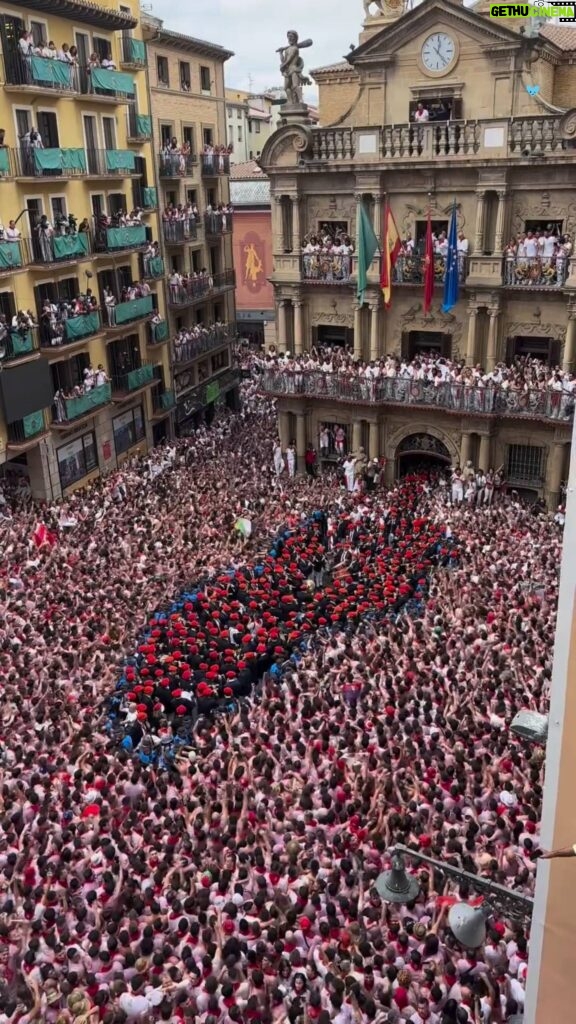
[149,199]
[21,343]
[10,255]
[132,310]
[390,251]
[60,160]
[451,282]
[367,248]
[120,160]
[4,160]
[160,331]
[143,125]
[112,81]
[54,72]
[125,238]
[81,326]
[136,51]
[66,246]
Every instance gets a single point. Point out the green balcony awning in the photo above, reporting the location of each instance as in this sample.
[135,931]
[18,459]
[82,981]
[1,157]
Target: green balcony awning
[84,404]
[136,51]
[10,255]
[81,326]
[4,160]
[156,267]
[60,160]
[138,378]
[134,309]
[212,391]
[149,196]
[143,125]
[160,331]
[33,424]
[67,246]
[120,160]
[21,344]
[112,81]
[53,72]
[126,238]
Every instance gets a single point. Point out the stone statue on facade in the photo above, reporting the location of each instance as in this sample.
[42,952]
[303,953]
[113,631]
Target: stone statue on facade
[292,67]
[384,7]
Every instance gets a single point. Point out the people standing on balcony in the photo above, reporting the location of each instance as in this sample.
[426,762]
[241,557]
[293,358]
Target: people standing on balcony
[44,235]
[110,306]
[12,233]
[328,259]
[108,63]
[421,114]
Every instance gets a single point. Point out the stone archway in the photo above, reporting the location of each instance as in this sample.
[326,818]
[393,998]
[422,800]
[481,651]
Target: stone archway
[420,443]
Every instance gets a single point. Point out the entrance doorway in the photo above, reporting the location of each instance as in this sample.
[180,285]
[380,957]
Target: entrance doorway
[419,343]
[547,350]
[422,453]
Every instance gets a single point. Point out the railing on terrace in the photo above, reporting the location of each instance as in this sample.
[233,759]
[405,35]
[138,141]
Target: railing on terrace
[133,380]
[178,232]
[23,431]
[144,196]
[198,288]
[527,272]
[411,269]
[66,410]
[218,223]
[176,165]
[120,239]
[132,52]
[152,267]
[18,344]
[138,126]
[450,396]
[31,162]
[128,312]
[212,338]
[69,331]
[163,401]
[214,164]
[519,138]
[328,268]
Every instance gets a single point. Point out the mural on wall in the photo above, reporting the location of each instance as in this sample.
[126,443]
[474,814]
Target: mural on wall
[253,262]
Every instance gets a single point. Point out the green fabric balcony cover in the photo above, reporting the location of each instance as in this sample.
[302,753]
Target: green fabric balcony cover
[136,51]
[212,391]
[66,246]
[5,160]
[56,72]
[126,311]
[160,331]
[149,198]
[81,326]
[84,404]
[125,238]
[167,400]
[60,160]
[33,424]
[10,255]
[156,267]
[143,125]
[112,81]
[138,378]
[120,160]
[20,344]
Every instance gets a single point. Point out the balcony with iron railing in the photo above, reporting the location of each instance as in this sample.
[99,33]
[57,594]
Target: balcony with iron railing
[47,248]
[218,223]
[106,85]
[133,53]
[192,399]
[180,232]
[51,162]
[74,330]
[125,384]
[34,74]
[129,312]
[158,332]
[327,268]
[18,344]
[163,401]
[176,165]
[411,269]
[152,268]
[132,237]
[144,196]
[111,163]
[215,164]
[26,432]
[448,396]
[200,288]
[210,339]
[517,138]
[138,126]
[67,411]
[526,272]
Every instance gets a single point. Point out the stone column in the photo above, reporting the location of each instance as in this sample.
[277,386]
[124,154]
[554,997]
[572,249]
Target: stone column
[284,429]
[484,457]
[282,325]
[301,439]
[356,435]
[465,448]
[570,342]
[374,332]
[378,212]
[500,222]
[554,475]
[298,339]
[374,440]
[297,233]
[492,351]
[358,332]
[471,357]
[277,225]
[480,210]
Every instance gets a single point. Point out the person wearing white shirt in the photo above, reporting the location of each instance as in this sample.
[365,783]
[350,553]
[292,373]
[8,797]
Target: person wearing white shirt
[530,246]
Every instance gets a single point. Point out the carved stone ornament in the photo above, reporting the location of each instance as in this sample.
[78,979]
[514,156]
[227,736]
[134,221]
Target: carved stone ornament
[539,209]
[568,124]
[414,213]
[425,443]
[287,146]
[555,331]
[339,319]
[408,438]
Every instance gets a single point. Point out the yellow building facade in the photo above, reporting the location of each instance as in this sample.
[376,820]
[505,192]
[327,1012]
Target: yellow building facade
[499,141]
[186,77]
[89,383]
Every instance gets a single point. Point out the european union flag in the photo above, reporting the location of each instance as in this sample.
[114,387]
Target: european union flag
[451,279]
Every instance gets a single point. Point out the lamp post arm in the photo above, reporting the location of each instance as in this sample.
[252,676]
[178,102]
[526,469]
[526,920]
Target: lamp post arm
[512,904]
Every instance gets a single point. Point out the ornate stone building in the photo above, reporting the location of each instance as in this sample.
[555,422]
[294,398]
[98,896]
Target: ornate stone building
[500,140]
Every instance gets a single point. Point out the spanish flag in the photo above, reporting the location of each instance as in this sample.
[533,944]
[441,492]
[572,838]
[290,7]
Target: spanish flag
[390,249]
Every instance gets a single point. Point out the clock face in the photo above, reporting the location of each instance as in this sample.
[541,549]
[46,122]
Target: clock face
[438,51]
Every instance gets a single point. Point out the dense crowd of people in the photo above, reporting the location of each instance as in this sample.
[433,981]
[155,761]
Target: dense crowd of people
[161,860]
[192,341]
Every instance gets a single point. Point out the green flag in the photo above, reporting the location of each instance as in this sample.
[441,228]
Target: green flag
[366,250]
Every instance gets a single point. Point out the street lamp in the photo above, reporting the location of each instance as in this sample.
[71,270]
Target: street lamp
[467,923]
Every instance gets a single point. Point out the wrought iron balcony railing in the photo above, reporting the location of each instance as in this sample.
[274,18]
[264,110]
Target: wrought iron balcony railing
[179,232]
[212,338]
[217,223]
[449,396]
[197,289]
[176,165]
[328,268]
[214,164]
[538,272]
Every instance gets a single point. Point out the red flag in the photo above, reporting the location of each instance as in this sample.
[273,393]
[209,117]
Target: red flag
[42,536]
[428,268]
[390,249]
